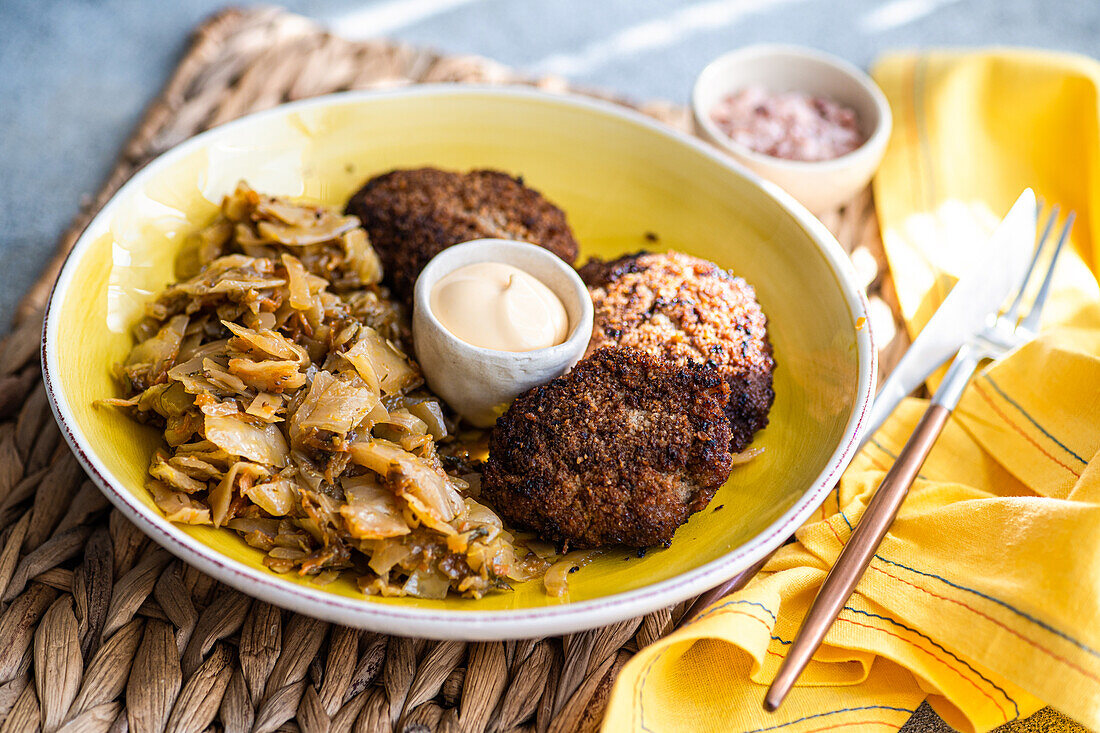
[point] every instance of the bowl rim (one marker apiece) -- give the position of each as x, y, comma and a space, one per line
460, 624
872, 146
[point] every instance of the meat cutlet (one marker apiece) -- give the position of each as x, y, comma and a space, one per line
689, 311
620, 451
413, 215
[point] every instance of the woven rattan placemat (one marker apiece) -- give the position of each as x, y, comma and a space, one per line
100, 629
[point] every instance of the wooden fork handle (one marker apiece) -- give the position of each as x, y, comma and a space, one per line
856, 555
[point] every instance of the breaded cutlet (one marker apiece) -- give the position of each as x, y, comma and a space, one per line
413, 215
689, 311
620, 451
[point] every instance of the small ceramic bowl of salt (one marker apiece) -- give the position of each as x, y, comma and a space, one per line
807, 121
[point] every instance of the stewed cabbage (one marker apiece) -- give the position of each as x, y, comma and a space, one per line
277, 370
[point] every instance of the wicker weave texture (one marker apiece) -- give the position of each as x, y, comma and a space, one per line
100, 629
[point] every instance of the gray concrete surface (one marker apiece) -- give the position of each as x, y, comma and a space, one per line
74, 75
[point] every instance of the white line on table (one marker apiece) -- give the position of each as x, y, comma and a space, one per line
898, 13
653, 34
390, 16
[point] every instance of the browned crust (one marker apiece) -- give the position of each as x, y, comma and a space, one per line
412, 215
690, 311
621, 451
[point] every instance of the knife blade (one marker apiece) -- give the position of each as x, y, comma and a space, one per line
981, 290
998, 270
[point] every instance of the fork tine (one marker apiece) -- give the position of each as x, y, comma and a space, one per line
1014, 308
1031, 321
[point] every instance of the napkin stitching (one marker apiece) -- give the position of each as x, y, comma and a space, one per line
835, 712
1032, 420
1001, 624
989, 400
892, 455
757, 619
1038, 622
855, 722
835, 533
941, 660
944, 662
916, 646
944, 649
716, 609
713, 610
641, 683
836, 489
874, 462
998, 601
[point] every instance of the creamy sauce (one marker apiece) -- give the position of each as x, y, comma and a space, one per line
501, 307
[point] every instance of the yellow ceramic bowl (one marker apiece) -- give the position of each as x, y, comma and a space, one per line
621, 179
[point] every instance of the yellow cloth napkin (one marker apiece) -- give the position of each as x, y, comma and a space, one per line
984, 599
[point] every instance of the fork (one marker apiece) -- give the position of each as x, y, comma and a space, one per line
1005, 332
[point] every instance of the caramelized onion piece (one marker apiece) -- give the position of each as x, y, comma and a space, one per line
427, 491
150, 360
300, 297
372, 511
740, 459
432, 414
332, 408
177, 506
556, 579
276, 497
392, 369
262, 444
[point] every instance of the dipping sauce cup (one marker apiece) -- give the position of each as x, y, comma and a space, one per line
480, 383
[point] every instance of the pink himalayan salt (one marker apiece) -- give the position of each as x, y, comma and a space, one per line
790, 125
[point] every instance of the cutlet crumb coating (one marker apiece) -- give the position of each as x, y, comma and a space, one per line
690, 311
413, 215
620, 451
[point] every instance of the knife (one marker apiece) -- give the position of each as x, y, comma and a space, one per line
982, 288
996, 271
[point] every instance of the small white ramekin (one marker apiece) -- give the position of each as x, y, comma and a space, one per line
818, 185
479, 383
